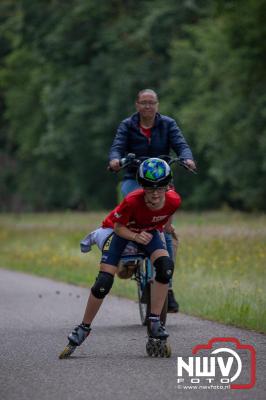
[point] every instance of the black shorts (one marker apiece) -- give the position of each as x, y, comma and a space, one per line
115, 245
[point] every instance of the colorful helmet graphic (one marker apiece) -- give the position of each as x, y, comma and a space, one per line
154, 172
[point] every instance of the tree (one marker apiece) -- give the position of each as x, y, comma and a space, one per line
69, 73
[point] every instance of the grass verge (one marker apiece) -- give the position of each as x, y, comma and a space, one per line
220, 269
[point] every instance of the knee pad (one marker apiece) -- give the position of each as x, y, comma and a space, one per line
102, 285
164, 269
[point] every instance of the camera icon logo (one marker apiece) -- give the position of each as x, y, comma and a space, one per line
221, 363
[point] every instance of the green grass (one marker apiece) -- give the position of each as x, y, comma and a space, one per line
220, 269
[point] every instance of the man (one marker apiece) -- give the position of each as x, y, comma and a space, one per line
140, 217
149, 134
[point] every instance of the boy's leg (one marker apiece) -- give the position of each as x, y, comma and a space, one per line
99, 290
164, 267
94, 303
111, 253
163, 272
159, 289
157, 342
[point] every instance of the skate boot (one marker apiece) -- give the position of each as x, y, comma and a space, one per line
157, 345
76, 338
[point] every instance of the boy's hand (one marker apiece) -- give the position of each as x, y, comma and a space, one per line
169, 228
143, 237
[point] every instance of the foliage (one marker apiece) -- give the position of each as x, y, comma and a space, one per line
70, 71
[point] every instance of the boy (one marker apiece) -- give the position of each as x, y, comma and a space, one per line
140, 218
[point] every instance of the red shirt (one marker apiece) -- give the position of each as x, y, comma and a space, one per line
135, 215
146, 132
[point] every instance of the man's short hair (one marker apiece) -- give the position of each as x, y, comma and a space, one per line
146, 91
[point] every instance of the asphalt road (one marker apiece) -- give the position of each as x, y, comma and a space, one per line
36, 314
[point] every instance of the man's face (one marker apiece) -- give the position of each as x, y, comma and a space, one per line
147, 105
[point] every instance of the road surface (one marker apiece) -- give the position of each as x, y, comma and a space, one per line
36, 314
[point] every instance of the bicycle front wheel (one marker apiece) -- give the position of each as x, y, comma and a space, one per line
144, 296
143, 292
143, 307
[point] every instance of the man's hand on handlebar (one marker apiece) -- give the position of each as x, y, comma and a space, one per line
190, 164
114, 164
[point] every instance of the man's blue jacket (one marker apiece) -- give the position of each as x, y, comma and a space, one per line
165, 136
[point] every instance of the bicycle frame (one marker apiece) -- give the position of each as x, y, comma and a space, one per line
143, 275
146, 277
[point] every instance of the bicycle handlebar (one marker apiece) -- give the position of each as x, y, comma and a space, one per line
132, 160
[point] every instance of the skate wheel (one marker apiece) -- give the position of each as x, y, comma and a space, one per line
167, 350
68, 350
162, 351
156, 350
149, 349
153, 348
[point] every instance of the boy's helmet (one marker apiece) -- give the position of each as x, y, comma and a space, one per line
154, 172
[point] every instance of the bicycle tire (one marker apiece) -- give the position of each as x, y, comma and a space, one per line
143, 292
143, 312
145, 308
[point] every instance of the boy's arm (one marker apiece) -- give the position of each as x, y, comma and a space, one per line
169, 228
125, 233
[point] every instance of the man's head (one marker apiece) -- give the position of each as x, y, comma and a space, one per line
147, 103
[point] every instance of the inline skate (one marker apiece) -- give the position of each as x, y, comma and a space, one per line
76, 338
157, 345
